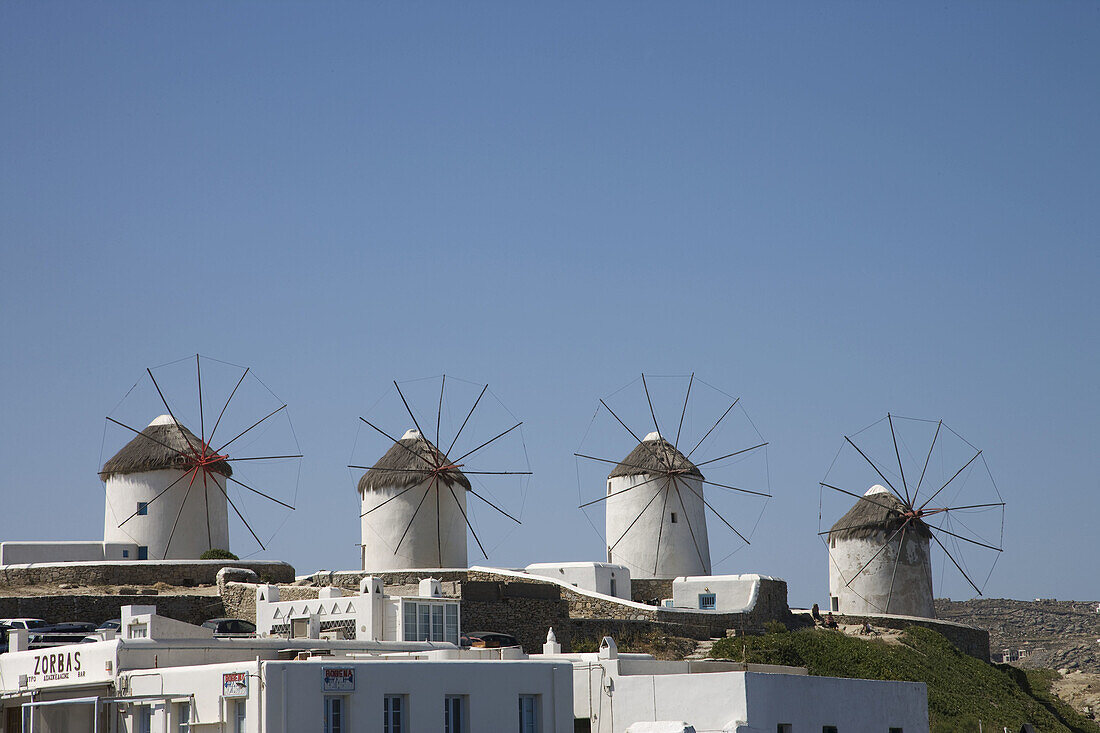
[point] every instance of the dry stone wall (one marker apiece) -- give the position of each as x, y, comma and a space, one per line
967, 639
239, 599
647, 590
193, 609
137, 572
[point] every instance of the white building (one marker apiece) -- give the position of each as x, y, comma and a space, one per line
369, 615
655, 522
723, 593
176, 523
161, 676
874, 568
413, 508
598, 577
619, 692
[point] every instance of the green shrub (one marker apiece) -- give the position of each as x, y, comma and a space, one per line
775, 627
962, 690
216, 554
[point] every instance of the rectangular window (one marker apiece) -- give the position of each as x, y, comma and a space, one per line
143, 552
143, 719
828, 729
183, 717
125, 554
437, 622
454, 714
424, 614
783, 728
334, 715
393, 714
613, 588
143, 508
674, 517
896, 730
834, 603
451, 626
239, 725
409, 621
707, 601
528, 714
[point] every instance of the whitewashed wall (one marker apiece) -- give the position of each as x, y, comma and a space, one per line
593, 576
191, 537
655, 547
381, 530
879, 588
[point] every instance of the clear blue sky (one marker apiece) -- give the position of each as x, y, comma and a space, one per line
833, 210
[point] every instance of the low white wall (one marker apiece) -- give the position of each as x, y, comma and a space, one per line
744, 702
809, 703
733, 593
22, 553
592, 576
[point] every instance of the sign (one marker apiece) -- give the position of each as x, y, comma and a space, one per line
235, 684
77, 664
338, 679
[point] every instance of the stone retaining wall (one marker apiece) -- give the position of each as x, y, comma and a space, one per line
240, 598
137, 572
967, 639
349, 579
193, 609
644, 590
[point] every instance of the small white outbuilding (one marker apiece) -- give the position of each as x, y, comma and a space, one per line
879, 559
151, 502
413, 508
655, 518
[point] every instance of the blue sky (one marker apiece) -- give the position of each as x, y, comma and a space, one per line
830, 210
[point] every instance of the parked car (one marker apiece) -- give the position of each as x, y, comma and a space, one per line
69, 632
113, 624
230, 627
24, 623
487, 640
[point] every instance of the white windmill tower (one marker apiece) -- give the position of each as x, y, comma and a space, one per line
655, 472
896, 563
423, 524
880, 550
414, 498
172, 528
170, 491
655, 513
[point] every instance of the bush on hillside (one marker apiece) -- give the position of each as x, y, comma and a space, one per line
962, 690
216, 554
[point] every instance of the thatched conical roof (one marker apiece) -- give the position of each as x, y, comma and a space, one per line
878, 514
400, 468
159, 447
654, 455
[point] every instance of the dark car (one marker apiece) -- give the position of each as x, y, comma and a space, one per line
69, 632
487, 640
230, 627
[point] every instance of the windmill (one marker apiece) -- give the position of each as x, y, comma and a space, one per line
656, 498
931, 490
415, 508
169, 490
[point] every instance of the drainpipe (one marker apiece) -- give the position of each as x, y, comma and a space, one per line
282, 694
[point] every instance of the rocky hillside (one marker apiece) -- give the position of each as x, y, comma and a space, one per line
1063, 635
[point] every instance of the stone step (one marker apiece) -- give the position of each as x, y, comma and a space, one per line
702, 649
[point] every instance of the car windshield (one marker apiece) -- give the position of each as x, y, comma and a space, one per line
36, 624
